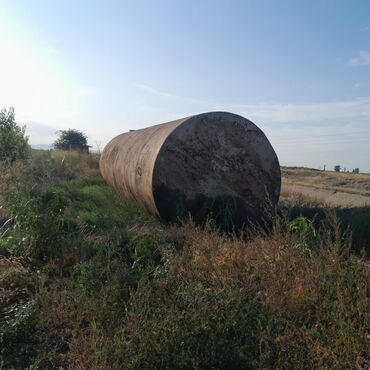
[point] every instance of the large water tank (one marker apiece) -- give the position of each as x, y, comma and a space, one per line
217, 165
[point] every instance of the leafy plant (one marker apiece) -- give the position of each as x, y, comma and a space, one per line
13, 142
302, 226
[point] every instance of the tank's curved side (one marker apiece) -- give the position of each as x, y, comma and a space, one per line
128, 160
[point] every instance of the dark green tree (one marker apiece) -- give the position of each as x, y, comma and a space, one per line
13, 141
71, 140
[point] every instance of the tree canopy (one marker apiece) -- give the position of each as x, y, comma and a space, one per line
71, 140
13, 141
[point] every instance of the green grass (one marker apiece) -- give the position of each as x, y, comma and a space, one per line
91, 281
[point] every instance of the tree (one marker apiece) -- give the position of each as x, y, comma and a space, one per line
71, 140
337, 168
13, 141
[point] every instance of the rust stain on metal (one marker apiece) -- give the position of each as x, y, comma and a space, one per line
216, 163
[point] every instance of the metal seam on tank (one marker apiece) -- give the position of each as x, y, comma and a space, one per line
186, 120
152, 170
158, 155
146, 205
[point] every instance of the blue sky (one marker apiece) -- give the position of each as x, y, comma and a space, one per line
300, 70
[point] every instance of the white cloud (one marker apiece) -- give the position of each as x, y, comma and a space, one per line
358, 109
305, 134
363, 59
362, 84
183, 99
152, 90
354, 109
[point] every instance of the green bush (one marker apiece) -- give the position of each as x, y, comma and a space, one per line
71, 139
13, 142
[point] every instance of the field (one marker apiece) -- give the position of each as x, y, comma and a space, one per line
89, 280
354, 183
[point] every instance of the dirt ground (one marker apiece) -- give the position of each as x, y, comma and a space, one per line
339, 189
330, 197
329, 180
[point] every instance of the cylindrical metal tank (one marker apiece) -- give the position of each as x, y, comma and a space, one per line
216, 164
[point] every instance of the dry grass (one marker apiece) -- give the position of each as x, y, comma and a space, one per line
100, 284
339, 181
270, 302
353, 220
293, 199
16, 281
84, 164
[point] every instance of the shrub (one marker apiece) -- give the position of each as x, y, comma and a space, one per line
71, 140
13, 142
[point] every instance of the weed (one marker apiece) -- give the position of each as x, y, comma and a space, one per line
98, 283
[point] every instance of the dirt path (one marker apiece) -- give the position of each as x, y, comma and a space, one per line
332, 197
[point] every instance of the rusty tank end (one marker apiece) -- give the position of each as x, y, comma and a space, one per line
215, 164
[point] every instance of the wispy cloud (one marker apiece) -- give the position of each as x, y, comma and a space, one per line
52, 50
85, 91
167, 95
154, 91
363, 59
362, 84
358, 109
335, 111
308, 134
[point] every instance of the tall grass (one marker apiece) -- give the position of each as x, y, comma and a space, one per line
91, 281
353, 221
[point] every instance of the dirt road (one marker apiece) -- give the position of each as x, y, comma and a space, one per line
332, 197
